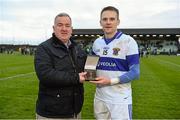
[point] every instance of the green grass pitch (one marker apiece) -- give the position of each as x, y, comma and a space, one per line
156, 95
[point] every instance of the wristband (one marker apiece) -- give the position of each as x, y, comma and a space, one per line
114, 81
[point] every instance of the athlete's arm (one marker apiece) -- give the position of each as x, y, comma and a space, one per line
132, 74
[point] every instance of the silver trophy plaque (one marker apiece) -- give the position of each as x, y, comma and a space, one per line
90, 67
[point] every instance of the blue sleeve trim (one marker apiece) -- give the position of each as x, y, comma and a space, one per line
132, 59
132, 74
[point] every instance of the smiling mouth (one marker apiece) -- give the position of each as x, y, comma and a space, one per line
64, 33
108, 27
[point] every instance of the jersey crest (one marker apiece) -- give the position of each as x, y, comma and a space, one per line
116, 51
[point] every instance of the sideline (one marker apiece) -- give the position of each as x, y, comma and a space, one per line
19, 75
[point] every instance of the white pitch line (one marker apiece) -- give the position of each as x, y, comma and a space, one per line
19, 75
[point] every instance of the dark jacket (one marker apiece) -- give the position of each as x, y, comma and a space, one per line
60, 94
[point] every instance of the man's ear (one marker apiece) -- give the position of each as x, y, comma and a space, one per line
53, 28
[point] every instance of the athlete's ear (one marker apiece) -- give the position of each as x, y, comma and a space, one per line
100, 22
118, 22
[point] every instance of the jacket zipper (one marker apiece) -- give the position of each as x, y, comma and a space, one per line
72, 61
69, 53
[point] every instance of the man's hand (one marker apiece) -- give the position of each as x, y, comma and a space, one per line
101, 81
82, 76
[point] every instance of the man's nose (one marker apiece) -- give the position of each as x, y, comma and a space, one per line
108, 21
64, 27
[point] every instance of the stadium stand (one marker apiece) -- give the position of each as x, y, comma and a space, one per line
150, 40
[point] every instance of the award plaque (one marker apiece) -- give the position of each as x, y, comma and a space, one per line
90, 67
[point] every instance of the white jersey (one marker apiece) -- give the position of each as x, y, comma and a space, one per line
113, 63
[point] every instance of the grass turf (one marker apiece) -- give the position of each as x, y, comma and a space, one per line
156, 94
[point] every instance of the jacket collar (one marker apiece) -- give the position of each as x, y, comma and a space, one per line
58, 43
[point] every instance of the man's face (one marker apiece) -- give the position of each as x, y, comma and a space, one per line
109, 22
62, 28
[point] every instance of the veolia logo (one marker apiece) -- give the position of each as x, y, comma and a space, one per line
107, 64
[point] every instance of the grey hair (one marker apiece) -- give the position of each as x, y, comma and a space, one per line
62, 15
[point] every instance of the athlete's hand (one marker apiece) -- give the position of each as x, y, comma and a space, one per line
101, 81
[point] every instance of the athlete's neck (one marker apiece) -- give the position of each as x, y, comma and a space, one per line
110, 35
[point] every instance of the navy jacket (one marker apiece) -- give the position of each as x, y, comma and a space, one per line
61, 95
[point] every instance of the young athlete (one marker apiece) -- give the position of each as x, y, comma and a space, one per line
117, 67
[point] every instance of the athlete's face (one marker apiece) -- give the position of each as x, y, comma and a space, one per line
109, 22
62, 28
